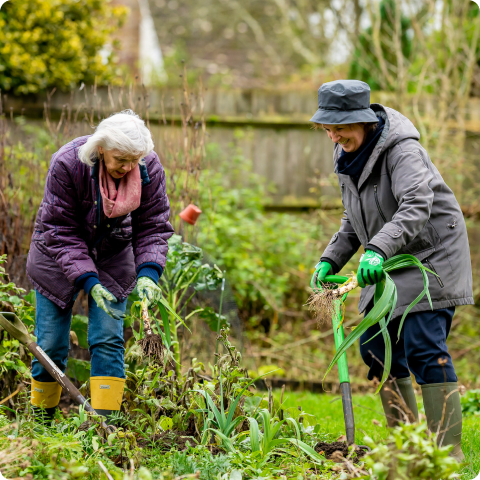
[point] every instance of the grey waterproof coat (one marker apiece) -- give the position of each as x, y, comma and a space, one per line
402, 205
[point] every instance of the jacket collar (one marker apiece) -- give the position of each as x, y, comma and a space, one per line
143, 172
367, 170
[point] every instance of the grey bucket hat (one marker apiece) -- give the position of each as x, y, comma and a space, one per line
344, 101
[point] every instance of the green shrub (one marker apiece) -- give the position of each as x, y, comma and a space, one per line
267, 255
55, 43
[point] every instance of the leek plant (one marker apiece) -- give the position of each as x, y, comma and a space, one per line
224, 422
264, 443
385, 301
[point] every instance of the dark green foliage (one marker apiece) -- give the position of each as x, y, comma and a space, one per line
78, 370
266, 255
215, 321
471, 403
80, 327
13, 356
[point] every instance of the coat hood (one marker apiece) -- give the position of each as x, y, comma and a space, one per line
397, 128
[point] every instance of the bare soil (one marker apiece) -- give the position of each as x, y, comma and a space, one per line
165, 441
337, 450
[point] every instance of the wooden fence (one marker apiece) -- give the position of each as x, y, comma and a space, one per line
278, 136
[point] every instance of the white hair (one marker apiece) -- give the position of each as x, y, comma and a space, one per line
124, 132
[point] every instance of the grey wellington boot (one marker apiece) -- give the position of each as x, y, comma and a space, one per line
435, 396
399, 403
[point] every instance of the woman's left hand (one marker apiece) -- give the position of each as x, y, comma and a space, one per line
370, 269
148, 289
101, 296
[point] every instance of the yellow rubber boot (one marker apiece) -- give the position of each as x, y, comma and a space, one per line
107, 394
45, 397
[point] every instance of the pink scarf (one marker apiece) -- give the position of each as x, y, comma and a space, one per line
125, 199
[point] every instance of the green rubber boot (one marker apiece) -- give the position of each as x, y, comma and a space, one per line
447, 422
399, 402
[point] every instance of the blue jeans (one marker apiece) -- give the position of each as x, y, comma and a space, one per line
423, 341
105, 338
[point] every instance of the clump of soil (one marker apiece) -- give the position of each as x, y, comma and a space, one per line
165, 441
215, 449
120, 460
152, 347
337, 450
85, 426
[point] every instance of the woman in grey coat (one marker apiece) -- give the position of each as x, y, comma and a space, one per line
397, 202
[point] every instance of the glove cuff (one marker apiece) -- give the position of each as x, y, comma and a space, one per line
149, 272
87, 281
375, 249
335, 268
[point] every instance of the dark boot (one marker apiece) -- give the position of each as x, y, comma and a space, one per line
43, 415
399, 403
447, 422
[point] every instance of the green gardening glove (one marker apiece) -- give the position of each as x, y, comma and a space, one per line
101, 296
322, 269
148, 289
370, 269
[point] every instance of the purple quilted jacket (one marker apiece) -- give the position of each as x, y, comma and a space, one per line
72, 237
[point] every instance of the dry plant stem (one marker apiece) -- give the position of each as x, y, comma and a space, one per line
146, 320
18, 390
105, 471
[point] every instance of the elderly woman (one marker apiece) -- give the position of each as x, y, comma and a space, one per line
102, 227
397, 202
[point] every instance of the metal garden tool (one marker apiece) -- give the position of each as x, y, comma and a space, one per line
15, 327
343, 375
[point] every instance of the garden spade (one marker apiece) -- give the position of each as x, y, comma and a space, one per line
343, 375
15, 327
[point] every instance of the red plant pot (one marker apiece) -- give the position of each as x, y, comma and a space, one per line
190, 214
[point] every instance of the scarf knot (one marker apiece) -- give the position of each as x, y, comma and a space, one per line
121, 199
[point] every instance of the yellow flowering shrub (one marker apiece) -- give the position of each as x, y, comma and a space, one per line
56, 43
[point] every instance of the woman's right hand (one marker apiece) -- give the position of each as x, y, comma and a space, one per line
100, 294
322, 269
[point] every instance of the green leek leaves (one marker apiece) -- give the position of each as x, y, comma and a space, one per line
385, 301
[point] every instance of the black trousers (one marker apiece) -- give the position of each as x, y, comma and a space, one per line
423, 341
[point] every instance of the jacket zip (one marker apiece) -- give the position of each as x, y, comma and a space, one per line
102, 235
378, 204
439, 280
99, 205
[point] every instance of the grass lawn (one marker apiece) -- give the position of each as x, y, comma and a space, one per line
328, 410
